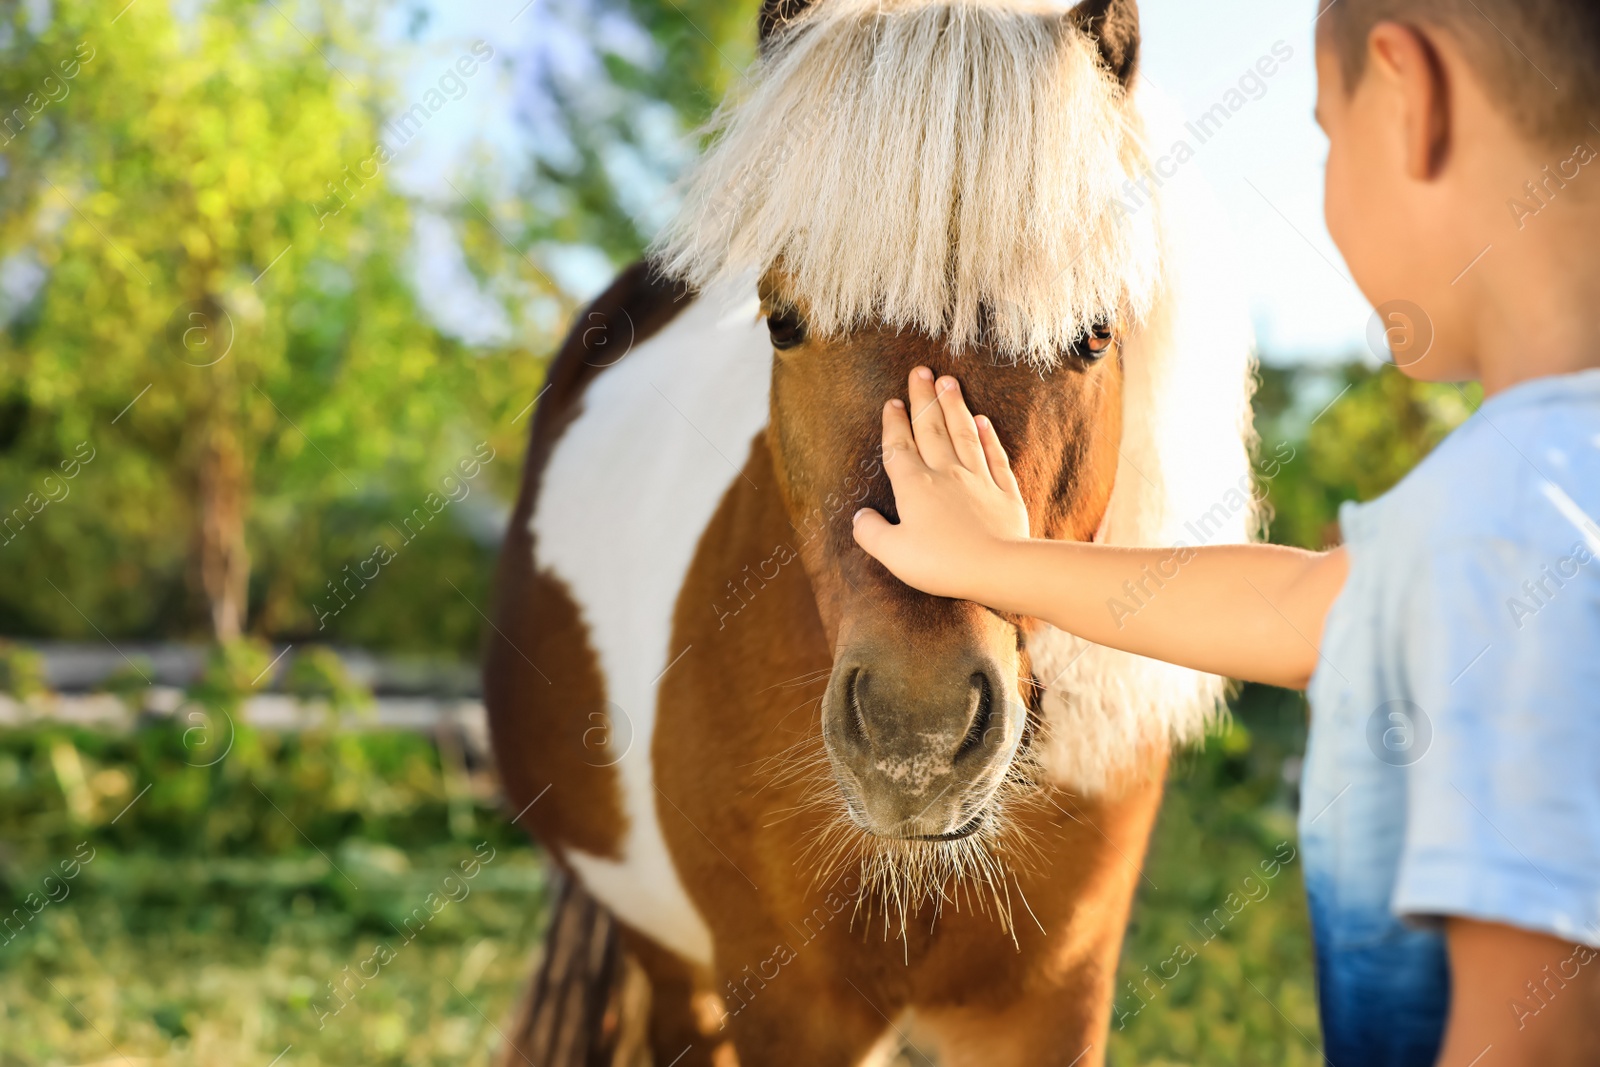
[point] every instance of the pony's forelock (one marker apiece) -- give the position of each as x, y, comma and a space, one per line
951, 166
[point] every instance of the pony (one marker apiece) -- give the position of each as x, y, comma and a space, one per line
820, 806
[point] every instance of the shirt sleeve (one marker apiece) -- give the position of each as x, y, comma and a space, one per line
1502, 656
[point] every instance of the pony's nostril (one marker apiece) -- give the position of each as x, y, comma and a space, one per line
982, 718
855, 723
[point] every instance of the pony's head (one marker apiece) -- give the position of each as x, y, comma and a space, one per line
937, 182
930, 701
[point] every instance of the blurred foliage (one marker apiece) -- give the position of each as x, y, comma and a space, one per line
320, 674
1216, 966
705, 47
225, 375
230, 672
1355, 431
21, 672
275, 795
619, 85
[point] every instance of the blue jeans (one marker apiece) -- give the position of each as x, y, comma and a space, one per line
1383, 989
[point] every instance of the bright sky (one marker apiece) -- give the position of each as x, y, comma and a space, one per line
1265, 165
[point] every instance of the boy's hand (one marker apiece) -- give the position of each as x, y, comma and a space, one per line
958, 502
1253, 612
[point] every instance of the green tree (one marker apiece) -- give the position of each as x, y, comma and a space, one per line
609, 124
225, 328
1353, 432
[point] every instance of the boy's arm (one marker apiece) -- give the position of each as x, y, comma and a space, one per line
1492, 969
1253, 612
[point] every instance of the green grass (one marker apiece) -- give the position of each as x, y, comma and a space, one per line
1206, 979
207, 925
98, 979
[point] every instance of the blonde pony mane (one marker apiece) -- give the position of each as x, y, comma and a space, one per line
951, 166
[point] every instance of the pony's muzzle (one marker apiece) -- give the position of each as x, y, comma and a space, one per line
920, 741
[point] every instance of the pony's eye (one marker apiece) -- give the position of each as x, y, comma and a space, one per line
1097, 342
786, 327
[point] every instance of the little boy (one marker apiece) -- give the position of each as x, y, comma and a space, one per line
1451, 807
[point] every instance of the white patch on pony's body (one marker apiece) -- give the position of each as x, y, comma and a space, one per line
660, 438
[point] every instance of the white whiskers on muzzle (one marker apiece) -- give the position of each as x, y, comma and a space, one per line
911, 879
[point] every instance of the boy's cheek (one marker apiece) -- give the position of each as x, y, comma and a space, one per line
1339, 198
1336, 111
1364, 216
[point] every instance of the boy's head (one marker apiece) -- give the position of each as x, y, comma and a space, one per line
1439, 114
1539, 59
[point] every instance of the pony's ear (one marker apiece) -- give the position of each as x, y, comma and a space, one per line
1114, 24
775, 15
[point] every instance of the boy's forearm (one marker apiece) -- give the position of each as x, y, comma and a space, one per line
1253, 612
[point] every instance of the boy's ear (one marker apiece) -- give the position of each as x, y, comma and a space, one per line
1114, 24
1410, 61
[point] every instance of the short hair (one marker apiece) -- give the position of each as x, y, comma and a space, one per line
1540, 59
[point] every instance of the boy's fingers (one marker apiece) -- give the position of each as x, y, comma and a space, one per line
899, 446
995, 454
871, 530
959, 423
927, 421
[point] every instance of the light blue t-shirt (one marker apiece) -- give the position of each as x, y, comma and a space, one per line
1453, 764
